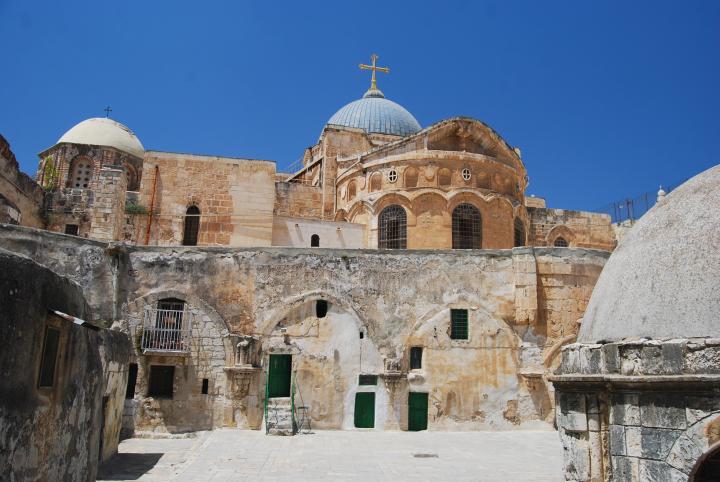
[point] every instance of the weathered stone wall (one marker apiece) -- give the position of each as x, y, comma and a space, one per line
294, 199
235, 198
397, 299
638, 409
297, 232
20, 197
108, 215
579, 228
58, 432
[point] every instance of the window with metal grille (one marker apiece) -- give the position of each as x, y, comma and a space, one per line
560, 242
367, 380
161, 381
393, 228
169, 313
416, 357
519, 233
192, 226
459, 324
314, 241
132, 380
466, 227
321, 308
51, 344
71, 229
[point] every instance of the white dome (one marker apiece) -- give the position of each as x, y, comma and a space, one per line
663, 279
100, 131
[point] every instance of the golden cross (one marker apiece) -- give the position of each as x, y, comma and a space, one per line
374, 68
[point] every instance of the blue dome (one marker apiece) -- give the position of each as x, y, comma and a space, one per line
376, 114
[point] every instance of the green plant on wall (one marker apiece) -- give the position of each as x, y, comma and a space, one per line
51, 175
132, 208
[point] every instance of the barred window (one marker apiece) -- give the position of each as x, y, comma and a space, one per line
192, 226
466, 227
560, 242
169, 314
519, 232
459, 324
393, 228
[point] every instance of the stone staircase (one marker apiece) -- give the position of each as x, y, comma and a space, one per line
279, 416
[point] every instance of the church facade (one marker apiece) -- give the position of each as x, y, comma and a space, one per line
400, 279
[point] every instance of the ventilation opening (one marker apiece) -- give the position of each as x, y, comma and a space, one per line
321, 308
205, 385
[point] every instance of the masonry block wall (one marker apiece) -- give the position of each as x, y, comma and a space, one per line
493, 380
578, 228
108, 215
235, 197
21, 199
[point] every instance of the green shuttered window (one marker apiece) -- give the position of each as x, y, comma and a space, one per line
459, 324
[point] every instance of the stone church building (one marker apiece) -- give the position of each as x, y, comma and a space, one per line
399, 279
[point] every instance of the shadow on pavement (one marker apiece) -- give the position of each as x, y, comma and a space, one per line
127, 466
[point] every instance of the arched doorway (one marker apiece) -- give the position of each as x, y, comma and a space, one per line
707, 468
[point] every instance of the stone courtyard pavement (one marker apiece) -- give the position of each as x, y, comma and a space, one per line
228, 455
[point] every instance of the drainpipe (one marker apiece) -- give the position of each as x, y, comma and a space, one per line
152, 205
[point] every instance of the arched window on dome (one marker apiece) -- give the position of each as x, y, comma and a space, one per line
560, 242
192, 226
519, 232
444, 177
375, 182
466, 227
80, 172
411, 177
392, 224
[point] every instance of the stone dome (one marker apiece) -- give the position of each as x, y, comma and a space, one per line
663, 280
100, 131
376, 114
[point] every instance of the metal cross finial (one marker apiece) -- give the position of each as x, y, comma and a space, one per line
374, 68
107, 111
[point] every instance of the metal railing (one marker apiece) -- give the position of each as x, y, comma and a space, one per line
166, 330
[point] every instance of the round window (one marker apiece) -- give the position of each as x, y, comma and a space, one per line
392, 175
466, 174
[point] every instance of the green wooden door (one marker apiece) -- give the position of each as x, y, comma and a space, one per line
279, 376
365, 410
417, 411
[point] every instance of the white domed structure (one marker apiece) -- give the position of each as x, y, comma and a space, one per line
101, 131
376, 114
663, 279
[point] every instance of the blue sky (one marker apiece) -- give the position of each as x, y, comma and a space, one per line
605, 99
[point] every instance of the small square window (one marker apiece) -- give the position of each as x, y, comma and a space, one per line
51, 343
367, 380
458, 324
161, 381
205, 386
416, 357
71, 229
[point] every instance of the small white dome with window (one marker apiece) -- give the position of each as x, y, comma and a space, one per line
100, 131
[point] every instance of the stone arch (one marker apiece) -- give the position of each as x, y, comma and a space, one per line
444, 177
291, 303
411, 177
341, 215
375, 182
394, 198
132, 176
560, 231
693, 447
